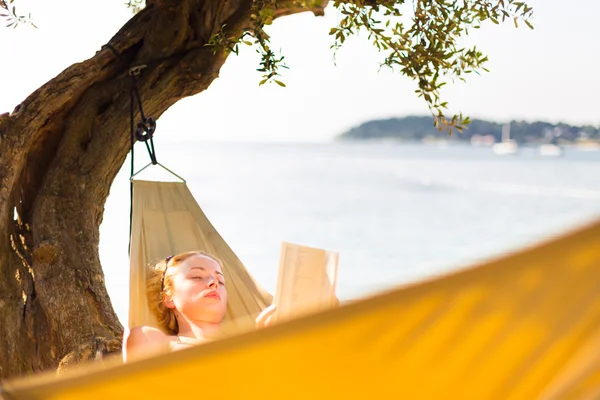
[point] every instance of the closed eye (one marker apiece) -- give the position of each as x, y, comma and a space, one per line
201, 278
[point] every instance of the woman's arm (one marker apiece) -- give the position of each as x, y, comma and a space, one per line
144, 340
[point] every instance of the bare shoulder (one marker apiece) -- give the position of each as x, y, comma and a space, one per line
144, 340
147, 334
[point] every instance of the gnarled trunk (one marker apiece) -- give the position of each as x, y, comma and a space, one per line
59, 153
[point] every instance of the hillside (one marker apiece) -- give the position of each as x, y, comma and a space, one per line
415, 128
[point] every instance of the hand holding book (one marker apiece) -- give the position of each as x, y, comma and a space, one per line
306, 284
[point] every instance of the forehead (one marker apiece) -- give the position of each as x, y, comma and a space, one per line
200, 261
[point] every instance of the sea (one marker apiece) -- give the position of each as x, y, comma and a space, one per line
396, 213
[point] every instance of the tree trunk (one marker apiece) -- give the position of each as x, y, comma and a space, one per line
59, 152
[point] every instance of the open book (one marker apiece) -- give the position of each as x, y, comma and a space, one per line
307, 281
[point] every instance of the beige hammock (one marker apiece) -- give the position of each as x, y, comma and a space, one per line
167, 220
526, 326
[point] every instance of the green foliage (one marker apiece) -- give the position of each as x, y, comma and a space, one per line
135, 5
8, 11
418, 38
263, 14
421, 40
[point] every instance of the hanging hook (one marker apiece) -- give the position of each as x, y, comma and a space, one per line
145, 129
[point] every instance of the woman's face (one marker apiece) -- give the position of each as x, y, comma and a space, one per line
199, 290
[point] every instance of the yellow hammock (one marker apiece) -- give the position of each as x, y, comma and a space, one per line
526, 326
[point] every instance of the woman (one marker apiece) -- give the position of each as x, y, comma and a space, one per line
188, 295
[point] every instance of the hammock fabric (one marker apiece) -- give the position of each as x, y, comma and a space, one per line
526, 326
167, 220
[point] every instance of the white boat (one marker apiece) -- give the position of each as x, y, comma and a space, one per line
551, 150
507, 146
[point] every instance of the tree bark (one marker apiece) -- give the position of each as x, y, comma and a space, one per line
60, 150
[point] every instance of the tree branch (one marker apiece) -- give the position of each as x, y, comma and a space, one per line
289, 7
60, 150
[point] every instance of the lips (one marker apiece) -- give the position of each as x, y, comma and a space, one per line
212, 295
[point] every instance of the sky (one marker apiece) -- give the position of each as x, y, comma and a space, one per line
548, 73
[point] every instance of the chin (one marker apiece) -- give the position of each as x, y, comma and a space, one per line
211, 318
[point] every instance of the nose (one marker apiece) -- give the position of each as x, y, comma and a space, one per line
213, 283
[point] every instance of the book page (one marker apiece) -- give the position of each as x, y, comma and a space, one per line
307, 280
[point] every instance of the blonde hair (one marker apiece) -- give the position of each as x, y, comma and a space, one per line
159, 285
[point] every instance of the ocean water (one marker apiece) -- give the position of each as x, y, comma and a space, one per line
396, 213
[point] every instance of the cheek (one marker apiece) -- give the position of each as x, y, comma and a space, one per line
192, 287
184, 289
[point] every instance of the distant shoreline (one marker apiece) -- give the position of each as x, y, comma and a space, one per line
591, 144
419, 129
